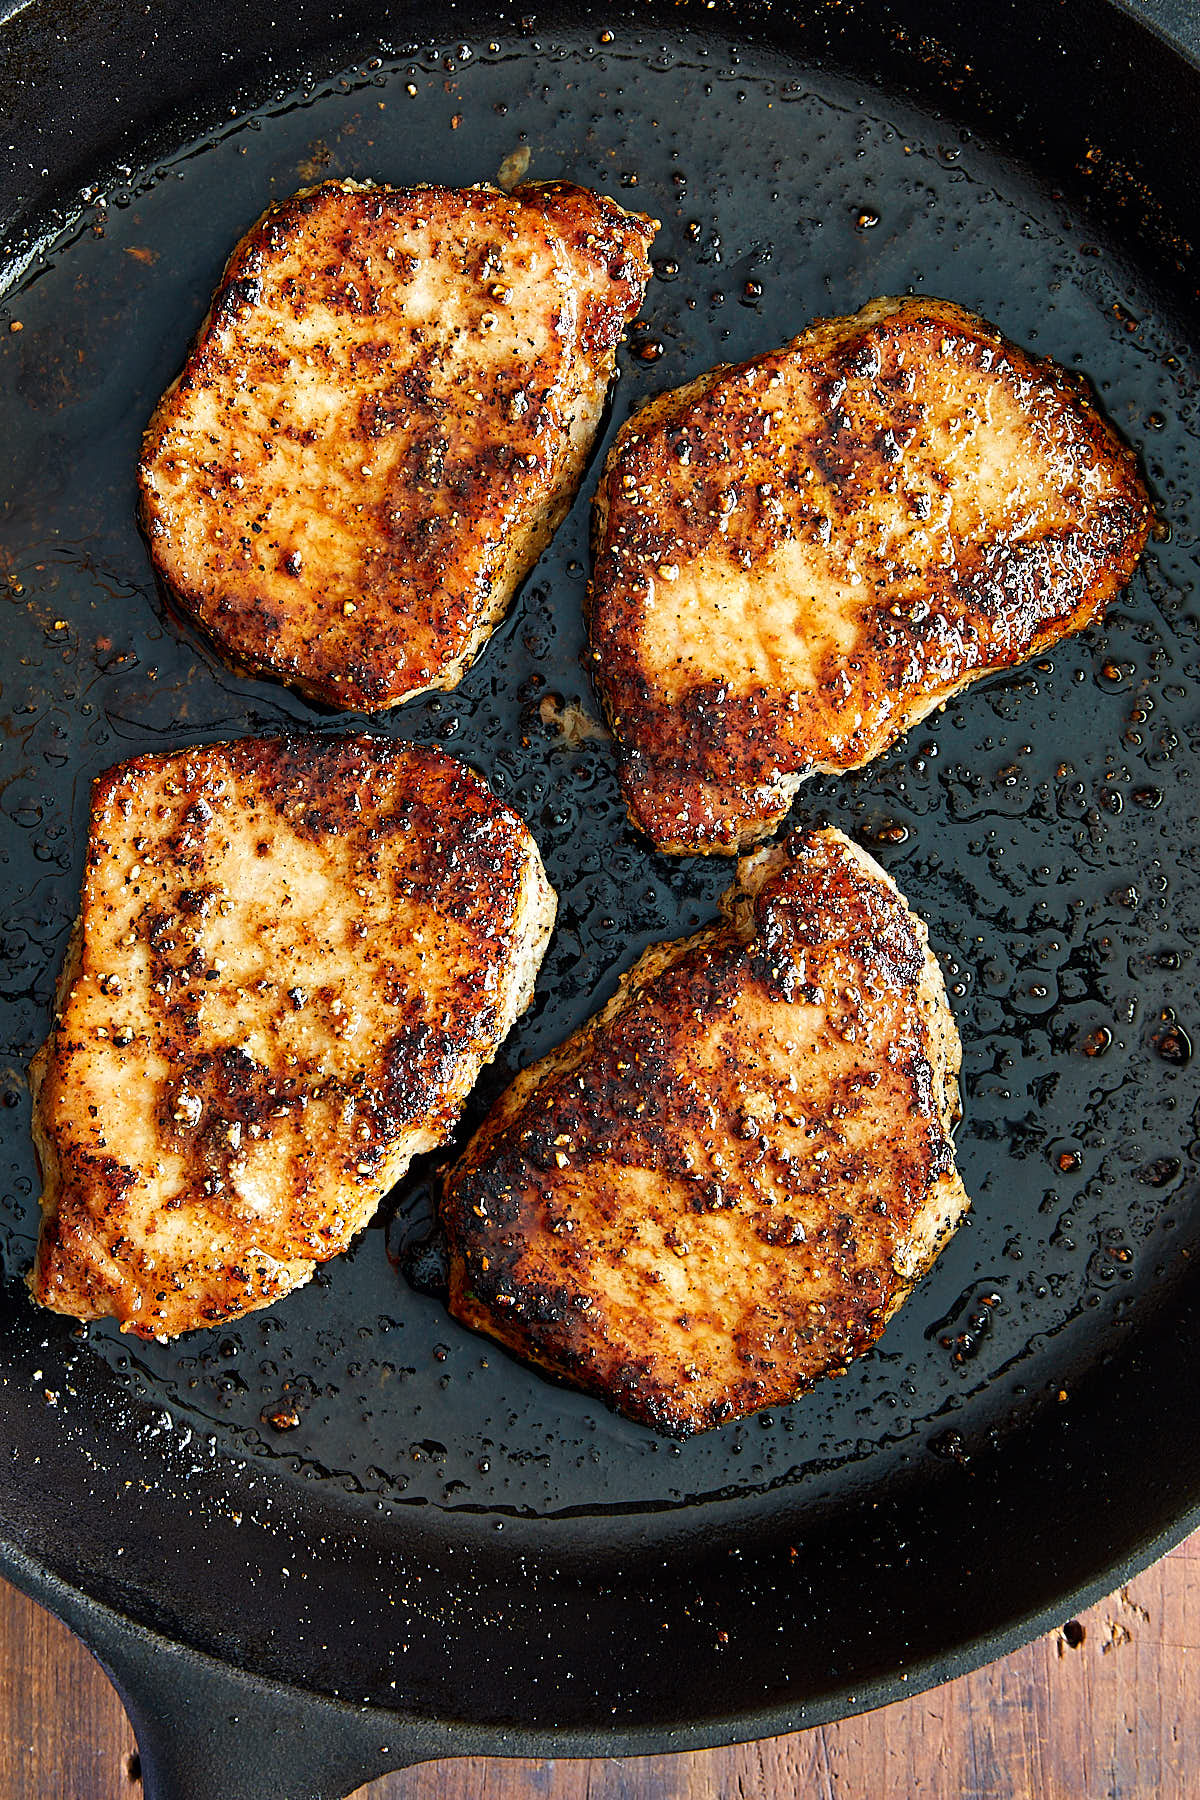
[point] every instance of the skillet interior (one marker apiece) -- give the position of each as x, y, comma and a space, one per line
989, 1458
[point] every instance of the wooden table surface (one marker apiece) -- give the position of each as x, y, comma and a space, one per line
1107, 1713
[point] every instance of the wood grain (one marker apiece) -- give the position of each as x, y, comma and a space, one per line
1115, 1718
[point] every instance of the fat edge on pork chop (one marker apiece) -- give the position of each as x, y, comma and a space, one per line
293, 955
723, 1186
382, 421
798, 557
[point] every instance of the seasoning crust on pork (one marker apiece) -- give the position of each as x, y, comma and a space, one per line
382, 421
723, 1186
798, 558
292, 958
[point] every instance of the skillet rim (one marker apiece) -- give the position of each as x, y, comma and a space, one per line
1177, 28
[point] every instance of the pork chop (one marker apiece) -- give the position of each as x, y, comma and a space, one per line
724, 1185
292, 958
798, 558
383, 419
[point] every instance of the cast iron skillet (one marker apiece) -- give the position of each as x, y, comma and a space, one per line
431, 1550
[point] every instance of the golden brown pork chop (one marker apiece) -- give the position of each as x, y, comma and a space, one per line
382, 421
798, 558
292, 959
724, 1185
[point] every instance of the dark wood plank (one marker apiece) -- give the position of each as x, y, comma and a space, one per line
1116, 1717
63, 1732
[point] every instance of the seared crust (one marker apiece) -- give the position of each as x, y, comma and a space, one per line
292, 958
723, 1186
798, 558
383, 419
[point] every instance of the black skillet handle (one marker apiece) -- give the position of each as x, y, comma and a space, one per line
204, 1733
207, 1732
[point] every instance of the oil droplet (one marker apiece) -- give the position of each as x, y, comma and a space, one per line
1158, 1173
1173, 1044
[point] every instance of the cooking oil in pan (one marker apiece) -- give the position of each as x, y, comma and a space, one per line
1044, 824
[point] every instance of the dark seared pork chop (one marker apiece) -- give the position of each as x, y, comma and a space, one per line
292, 958
381, 423
798, 558
723, 1186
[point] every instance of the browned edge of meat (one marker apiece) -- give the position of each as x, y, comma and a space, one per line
798, 557
293, 955
721, 1188
381, 422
